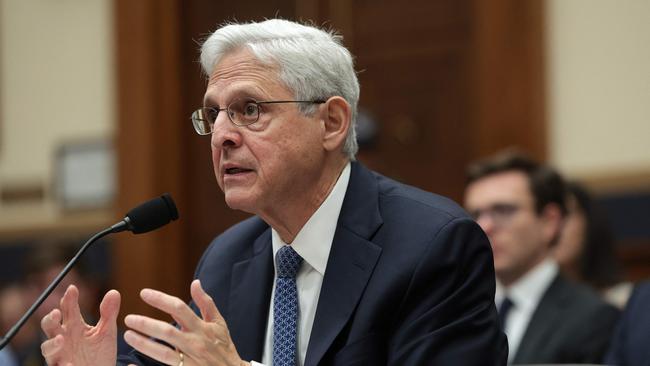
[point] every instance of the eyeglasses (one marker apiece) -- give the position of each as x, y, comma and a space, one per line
500, 213
240, 112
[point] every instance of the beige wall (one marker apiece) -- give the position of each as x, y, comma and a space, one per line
599, 86
57, 82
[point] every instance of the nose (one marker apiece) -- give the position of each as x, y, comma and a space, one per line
224, 133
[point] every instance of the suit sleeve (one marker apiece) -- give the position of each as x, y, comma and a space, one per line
448, 316
628, 337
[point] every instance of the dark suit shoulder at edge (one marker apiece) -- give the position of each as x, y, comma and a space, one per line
390, 188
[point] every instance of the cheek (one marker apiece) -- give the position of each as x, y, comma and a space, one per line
216, 156
523, 240
280, 154
216, 153
569, 232
579, 230
572, 239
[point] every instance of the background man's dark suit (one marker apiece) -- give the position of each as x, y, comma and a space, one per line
570, 325
409, 281
631, 342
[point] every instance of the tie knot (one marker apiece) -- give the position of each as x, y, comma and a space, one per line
287, 262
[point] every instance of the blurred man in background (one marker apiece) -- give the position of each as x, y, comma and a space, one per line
521, 206
24, 348
43, 262
586, 252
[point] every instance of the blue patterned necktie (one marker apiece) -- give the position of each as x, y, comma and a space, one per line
285, 307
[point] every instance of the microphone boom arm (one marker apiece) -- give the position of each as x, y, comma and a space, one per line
53, 285
143, 218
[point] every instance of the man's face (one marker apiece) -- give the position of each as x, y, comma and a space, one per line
272, 163
504, 207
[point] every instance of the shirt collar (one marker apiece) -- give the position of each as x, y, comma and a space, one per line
314, 240
529, 289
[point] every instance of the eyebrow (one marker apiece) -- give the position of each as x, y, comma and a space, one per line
237, 94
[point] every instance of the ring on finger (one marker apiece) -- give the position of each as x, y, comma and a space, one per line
181, 358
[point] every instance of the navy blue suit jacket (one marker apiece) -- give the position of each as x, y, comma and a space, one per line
631, 342
409, 281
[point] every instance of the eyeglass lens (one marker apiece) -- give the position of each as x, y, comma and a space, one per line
499, 213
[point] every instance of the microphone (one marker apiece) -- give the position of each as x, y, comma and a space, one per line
146, 217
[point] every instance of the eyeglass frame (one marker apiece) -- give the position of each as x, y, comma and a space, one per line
197, 121
499, 213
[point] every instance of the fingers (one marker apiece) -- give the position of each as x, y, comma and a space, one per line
209, 311
109, 309
51, 348
173, 306
156, 329
152, 349
70, 306
51, 323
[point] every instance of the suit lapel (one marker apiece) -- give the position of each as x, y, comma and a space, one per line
250, 296
542, 323
350, 264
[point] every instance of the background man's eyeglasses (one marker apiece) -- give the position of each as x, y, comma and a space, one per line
240, 113
500, 213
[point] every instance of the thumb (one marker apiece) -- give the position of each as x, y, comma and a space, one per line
109, 309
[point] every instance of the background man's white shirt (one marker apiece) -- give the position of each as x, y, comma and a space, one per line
525, 295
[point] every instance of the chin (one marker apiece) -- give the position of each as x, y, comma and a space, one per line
237, 202
500, 268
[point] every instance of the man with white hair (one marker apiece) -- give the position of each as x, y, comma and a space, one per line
339, 265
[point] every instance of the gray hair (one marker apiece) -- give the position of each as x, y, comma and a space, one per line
312, 62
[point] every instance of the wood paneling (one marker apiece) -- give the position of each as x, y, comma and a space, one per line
448, 81
415, 81
151, 151
508, 77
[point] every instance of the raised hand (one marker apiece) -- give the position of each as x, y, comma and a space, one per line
201, 340
73, 342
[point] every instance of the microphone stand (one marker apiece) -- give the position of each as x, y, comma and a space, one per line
56, 281
143, 218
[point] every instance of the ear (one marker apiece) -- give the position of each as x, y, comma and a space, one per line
338, 119
552, 220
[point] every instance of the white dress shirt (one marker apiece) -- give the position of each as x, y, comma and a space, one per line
525, 295
313, 243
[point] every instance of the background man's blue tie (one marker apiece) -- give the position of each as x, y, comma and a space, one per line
285, 307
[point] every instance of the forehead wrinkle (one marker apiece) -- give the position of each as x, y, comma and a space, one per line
242, 72
253, 69
243, 88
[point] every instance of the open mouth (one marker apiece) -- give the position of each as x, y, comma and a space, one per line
237, 170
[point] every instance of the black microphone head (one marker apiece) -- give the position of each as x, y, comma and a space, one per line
152, 214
